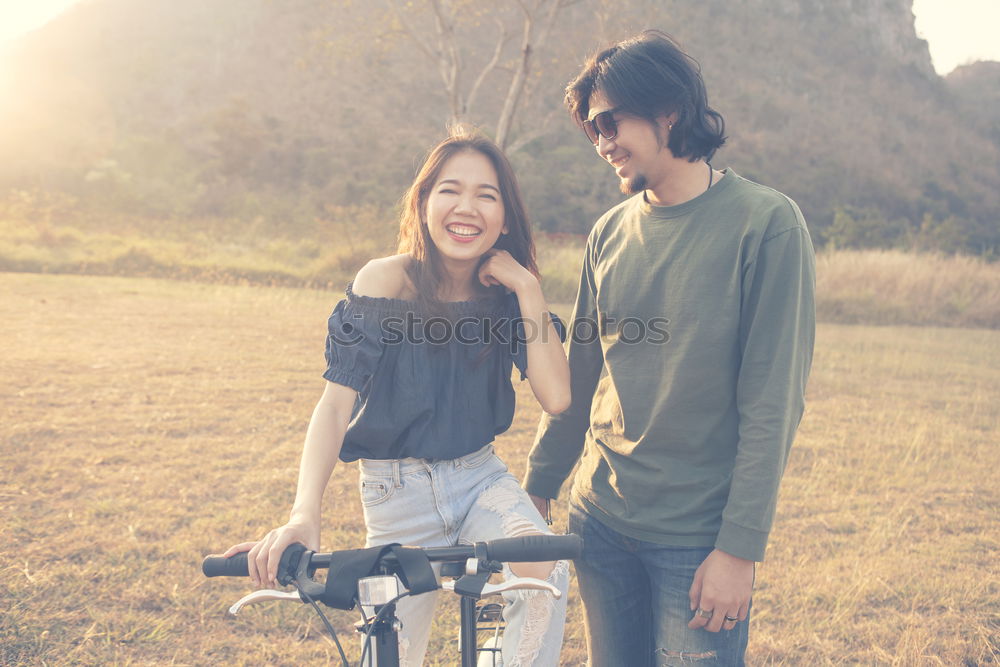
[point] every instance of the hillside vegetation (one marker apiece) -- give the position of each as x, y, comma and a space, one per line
274, 113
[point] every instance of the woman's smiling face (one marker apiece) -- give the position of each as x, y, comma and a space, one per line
465, 212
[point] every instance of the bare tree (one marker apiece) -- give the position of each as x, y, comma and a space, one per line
538, 17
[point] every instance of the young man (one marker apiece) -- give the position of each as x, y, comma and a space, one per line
687, 396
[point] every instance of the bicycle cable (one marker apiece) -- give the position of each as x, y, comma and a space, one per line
374, 622
326, 622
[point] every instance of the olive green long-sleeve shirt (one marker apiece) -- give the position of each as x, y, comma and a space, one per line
686, 403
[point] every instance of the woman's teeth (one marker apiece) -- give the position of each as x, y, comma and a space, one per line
463, 230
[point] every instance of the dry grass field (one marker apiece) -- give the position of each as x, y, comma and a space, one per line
895, 287
146, 423
886, 287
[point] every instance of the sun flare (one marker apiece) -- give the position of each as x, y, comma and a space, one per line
18, 18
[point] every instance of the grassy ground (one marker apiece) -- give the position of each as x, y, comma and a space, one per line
146, 423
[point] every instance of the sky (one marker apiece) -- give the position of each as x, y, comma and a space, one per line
20, 16
957, 31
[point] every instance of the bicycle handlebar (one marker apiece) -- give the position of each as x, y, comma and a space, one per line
218, 566
528, 548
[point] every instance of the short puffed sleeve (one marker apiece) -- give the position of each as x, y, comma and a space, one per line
354, 345
520, 335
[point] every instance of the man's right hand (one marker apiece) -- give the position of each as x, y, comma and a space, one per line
264, 556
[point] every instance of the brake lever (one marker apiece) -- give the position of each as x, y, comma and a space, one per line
264, 595
512, 584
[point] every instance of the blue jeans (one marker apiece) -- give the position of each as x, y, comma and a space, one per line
465, 500
636, 604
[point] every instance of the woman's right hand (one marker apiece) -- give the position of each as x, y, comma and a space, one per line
264, 556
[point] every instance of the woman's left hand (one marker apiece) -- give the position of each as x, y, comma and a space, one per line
500, 268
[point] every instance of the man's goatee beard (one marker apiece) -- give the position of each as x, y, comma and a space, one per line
633, 186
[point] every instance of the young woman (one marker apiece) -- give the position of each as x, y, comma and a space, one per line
419, 356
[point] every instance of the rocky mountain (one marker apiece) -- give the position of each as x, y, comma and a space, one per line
976, 87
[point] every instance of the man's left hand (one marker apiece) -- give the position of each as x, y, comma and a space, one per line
720, 593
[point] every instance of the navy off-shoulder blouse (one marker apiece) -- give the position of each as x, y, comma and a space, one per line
432, 387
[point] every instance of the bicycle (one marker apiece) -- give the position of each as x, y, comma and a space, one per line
374, 579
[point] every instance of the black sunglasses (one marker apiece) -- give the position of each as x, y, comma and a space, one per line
602, 125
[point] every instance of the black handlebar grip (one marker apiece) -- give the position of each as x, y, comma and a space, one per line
531, 548
234, 566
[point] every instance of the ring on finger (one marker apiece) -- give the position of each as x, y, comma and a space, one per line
705, 613
732, 619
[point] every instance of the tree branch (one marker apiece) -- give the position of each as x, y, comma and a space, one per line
411, 31
450, 62
489, 67
538, 130
517, 81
